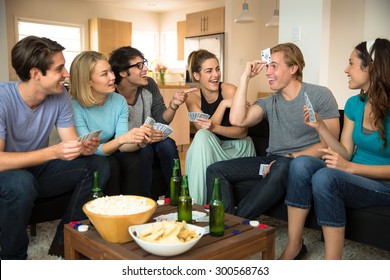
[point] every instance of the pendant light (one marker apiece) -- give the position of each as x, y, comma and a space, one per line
274, 21
245, 17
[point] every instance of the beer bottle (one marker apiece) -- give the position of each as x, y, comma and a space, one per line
184, 203
96, 189
175, 184
217, 211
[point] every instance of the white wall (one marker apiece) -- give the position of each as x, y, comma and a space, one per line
313, 42
346, 33
330, 31
244, 41
352, 22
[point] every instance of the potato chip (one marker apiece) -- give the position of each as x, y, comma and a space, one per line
168, 232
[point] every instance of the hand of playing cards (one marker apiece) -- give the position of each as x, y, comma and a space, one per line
309, 106
194, 115
90, 135
167, 130
150, 120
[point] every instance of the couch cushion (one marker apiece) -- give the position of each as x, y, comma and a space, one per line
259, 134
370, 226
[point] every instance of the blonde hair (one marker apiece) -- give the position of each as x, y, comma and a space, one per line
292, 56
81, 71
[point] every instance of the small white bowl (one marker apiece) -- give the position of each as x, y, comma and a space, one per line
164, 250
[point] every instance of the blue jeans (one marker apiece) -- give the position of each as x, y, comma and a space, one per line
165, 151
332, 190
264, 194
20, 188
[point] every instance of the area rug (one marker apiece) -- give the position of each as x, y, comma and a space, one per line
39, 244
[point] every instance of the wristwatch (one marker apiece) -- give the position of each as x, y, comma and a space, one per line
289, 155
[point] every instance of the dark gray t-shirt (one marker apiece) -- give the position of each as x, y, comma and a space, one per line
288, 132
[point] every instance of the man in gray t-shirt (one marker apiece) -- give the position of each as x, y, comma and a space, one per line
289, 135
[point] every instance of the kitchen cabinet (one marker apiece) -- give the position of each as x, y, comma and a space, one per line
205, 22
181, 34
105, 35
180, 123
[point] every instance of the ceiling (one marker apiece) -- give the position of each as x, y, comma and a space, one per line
157, 6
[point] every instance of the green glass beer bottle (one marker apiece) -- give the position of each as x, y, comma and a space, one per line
184, 203
175, 183
217, 211
96, 189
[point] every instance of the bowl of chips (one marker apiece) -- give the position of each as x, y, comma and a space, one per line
112, 215
166, 238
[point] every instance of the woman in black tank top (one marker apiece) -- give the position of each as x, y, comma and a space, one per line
216, 139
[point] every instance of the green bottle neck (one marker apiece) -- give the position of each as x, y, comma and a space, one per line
176, 172
96, 182
176, 168
184, 191
216, 195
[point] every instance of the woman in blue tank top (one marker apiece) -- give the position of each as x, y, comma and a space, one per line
354, 172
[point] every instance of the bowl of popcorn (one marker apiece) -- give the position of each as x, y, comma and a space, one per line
166, 238
112, 215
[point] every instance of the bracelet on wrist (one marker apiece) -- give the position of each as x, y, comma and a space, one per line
173, 109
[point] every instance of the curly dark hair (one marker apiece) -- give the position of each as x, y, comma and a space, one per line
377, 59
119, 60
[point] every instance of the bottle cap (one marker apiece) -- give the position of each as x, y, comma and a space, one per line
73, 223
160, 202
82, 228
254, 223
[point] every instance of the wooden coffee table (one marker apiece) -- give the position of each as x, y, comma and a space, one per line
247, 242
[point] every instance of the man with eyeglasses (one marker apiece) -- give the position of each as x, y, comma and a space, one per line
145, 100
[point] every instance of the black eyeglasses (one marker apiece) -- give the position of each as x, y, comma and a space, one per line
140, 65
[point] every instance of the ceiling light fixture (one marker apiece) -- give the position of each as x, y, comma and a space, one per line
274, 21
245, 17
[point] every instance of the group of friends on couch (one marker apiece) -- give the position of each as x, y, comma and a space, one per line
308, 163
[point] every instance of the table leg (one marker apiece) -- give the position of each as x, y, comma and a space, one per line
70, 252
269, 253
